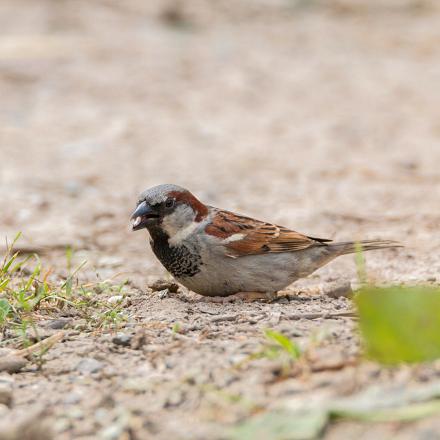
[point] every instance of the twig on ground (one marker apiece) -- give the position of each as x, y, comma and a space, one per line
334, 366
224, 318
325, 315
17, 359
41, 346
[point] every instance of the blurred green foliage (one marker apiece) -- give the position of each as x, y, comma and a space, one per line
281, 343
400, 324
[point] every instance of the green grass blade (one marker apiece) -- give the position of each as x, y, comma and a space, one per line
287, 344
5, 308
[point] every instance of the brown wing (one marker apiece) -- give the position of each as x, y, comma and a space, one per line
246, 236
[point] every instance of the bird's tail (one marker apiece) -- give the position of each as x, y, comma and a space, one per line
349, 247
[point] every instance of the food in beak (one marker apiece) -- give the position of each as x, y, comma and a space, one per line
137, 221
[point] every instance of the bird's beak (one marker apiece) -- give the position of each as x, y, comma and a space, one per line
142, 215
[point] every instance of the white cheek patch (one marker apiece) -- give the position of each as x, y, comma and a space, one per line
169, 224
180, 224
234, 237
179, 236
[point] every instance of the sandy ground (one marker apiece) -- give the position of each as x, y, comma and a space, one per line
321, 116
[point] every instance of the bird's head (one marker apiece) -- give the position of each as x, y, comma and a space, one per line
167, 207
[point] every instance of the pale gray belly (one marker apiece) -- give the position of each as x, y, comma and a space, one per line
256, 273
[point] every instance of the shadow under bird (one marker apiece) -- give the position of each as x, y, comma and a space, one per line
218, 253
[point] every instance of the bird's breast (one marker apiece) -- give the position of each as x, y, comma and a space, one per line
180, 261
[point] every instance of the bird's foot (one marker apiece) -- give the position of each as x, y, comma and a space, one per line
255, 296
241, 296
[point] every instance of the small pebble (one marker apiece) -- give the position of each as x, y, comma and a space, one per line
73, 188
4, 410
137, 385
12, 364
174, 398
35, 334
163, 293
338, 290
6, 352
80, 324
115, 299
122, 339
112, 432
6, 394
139, 339
58, 324
89, 366
163, 285
72, 399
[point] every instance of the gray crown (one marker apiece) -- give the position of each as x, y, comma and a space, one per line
158, 194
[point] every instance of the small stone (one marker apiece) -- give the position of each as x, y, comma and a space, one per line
36, 334
59, 324
115, 299
72, 399
7, 380
338, 290
5, 394
89, 366
76, 413
274, 318
6, 352
163, 285
136, 385
112, 432
163, 293
4, 410
61, 424
139, 339
73, 188
80, 324
31, 424
432, 279
12, 364
102, 416
110, 372
174, 398
122, 339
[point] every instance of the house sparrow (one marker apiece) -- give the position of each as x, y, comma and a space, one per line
218, 253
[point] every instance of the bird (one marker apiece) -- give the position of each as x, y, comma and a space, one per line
215, 252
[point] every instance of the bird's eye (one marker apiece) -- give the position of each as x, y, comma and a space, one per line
169, 203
